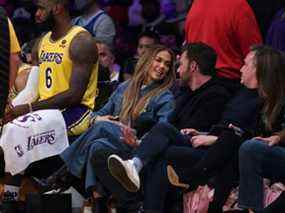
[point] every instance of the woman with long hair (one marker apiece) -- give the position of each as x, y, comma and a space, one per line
136, 104
264, 156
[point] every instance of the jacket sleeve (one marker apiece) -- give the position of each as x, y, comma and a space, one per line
115, 98
166, 106
159, 109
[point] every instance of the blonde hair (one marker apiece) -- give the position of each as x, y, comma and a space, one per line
133, 104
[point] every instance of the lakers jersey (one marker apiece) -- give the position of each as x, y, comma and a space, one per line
55, 68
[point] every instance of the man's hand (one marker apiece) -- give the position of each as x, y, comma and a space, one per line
129, 136
271, 141
189, 131
16, 112
203, 140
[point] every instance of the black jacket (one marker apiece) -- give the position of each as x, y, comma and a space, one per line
199, 109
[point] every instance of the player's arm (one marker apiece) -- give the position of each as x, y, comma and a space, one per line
84, 54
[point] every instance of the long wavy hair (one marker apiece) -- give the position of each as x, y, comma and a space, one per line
133, 103
270, 73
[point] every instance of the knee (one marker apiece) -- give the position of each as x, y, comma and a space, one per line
99, 152
251, 149
96, 150
99, 129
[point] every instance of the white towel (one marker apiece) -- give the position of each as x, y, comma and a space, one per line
33, 137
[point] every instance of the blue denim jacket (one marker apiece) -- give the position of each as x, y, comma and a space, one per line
159, 108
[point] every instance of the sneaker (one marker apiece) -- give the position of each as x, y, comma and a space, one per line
125, 172
174, 179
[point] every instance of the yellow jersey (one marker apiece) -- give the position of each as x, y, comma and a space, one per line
55, 68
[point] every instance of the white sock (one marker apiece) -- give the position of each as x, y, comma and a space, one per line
137, 163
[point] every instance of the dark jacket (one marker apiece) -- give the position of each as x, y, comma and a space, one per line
201, 108
243, 110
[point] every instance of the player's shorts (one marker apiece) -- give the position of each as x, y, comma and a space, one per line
77, 119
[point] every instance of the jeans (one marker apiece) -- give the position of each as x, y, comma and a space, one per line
77, 156
257, 160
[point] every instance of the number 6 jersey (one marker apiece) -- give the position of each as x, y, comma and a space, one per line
55, 68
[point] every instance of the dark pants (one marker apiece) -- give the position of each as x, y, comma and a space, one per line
164, 145
158, 140
219, 163
162, 140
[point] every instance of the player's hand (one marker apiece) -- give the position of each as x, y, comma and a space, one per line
15, 112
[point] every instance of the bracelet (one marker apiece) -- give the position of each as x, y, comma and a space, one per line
30, 107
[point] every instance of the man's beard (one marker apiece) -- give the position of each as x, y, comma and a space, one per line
47, 24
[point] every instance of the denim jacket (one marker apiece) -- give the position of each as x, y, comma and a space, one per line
159, 108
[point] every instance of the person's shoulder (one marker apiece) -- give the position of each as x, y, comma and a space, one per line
166, 93
104, 17
75, 20
240, 7
123, 85
78, 29
233, 3
164, 96
215, 87
83, 47
79, 32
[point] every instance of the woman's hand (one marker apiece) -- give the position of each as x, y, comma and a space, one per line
189, 131
271, 141
103, 118
129, 136
203, 140
107, 118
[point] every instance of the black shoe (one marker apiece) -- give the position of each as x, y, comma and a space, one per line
99, 205
60, 181
9, 207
